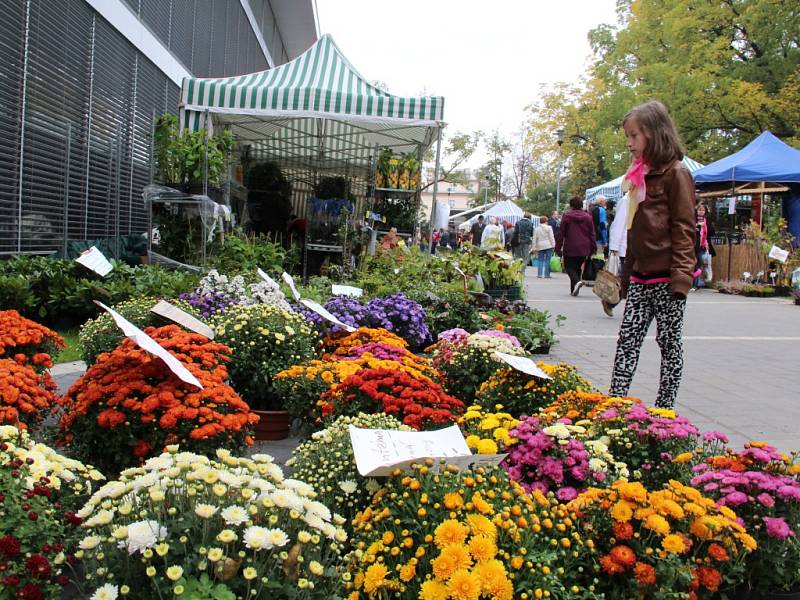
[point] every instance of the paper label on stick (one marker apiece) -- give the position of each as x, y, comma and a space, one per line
323, 312
732, 205
267, 278
346, 290
181, 317
148, 344
479, 279
94, 260
290, 281
522, 364
378, 451
779, 254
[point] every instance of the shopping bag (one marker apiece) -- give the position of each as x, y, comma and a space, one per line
555, 264
613, 263
607, 287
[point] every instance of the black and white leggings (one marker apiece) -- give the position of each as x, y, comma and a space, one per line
645, 302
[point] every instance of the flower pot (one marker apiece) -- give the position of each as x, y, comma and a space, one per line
272, 425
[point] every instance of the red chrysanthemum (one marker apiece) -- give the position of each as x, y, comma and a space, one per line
38, 566
9, 546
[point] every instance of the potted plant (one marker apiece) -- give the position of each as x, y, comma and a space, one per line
265, 339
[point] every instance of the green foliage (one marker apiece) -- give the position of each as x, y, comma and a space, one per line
64, 290
448, 309
727, 71
531, 328
203, 588
72, 350
101, 334
243, 253
181, 155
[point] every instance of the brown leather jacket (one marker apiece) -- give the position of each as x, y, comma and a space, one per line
661, 238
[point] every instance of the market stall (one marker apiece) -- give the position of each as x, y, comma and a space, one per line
612, 190
505, 210
315, 117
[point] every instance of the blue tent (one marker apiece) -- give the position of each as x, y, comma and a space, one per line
766, 158
612, 190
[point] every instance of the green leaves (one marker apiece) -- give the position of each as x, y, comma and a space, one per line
203, 588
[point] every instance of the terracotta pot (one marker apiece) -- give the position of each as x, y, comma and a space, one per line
273, 425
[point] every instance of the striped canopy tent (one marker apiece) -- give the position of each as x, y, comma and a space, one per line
613, 189
314, 113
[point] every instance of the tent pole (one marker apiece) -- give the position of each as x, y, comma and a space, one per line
435, 187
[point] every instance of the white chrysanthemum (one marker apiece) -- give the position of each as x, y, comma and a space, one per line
143, 535
234, 515
145, 481
286, 499
278, 538
348, 486
90, 542
103, 517
106, 592
157, 463
559, 431
313, 520
596, 464
230, 479
301, 487
257, 538
318, 508
271, 470
113, 489
262, 458
205, 511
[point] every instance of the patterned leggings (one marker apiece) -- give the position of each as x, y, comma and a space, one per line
645, 302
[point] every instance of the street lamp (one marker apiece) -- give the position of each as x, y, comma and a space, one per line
560, 140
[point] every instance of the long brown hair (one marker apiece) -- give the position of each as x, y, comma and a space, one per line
663, 141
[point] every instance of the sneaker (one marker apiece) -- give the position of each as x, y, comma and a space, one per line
607, 308
577, 288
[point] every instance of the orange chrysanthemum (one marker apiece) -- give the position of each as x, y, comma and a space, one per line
25, 340
134, 405
645, 574
623, 555
26, 397
623, 531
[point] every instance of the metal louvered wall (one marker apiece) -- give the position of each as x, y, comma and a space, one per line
77, 101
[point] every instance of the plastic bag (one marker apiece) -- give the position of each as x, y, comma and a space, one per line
555, 264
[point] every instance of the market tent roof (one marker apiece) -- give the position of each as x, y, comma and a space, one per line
504, 210
313, 111
612, 190
766, 158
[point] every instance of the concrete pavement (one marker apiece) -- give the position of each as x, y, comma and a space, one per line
741, 358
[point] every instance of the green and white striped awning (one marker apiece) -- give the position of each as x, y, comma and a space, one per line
316, 107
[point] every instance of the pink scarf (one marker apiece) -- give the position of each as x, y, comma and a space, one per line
701, 221
634, 183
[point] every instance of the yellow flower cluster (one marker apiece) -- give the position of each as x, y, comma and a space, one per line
439, 533
522, 394
578, 405
487, 432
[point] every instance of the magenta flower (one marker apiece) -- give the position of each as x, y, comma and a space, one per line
778, 528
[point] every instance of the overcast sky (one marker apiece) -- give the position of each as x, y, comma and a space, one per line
487, 58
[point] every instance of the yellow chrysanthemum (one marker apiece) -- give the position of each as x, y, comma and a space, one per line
492, 574
453, 501
407, 572
375, 577
658, 524
451, 559
472, 441
432, 590
631, 491
480, 525
622, 511
673, 543
487, 446
464, 585
481, 505
482, 548
450, 532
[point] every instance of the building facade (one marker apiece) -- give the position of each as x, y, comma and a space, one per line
458, 197
81, 82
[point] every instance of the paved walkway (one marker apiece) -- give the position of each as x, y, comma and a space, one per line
742, 358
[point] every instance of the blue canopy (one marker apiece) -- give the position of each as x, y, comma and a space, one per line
766, 158
612, 190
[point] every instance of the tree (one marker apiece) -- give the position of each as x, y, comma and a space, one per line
492, 170
727, 70
457, 151
521, 164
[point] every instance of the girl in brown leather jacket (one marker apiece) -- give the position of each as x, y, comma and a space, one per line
660, 261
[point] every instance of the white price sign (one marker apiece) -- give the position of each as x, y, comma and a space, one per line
181, 317
267, 278
379, 451
94, 260
290, 281
346, 290
148, 344
522, 364
323, 312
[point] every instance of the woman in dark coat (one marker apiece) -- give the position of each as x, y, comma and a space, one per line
576, 241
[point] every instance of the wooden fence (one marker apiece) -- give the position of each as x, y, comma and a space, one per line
732, 261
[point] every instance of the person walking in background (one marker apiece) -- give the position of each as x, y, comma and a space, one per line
508, 231
523, 234
477, 231
660, 261
555, 222
493, 236
543, 243
600, 218
575, 242
704, 249
617, 246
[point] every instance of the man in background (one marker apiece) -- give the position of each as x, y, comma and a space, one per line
477, 231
